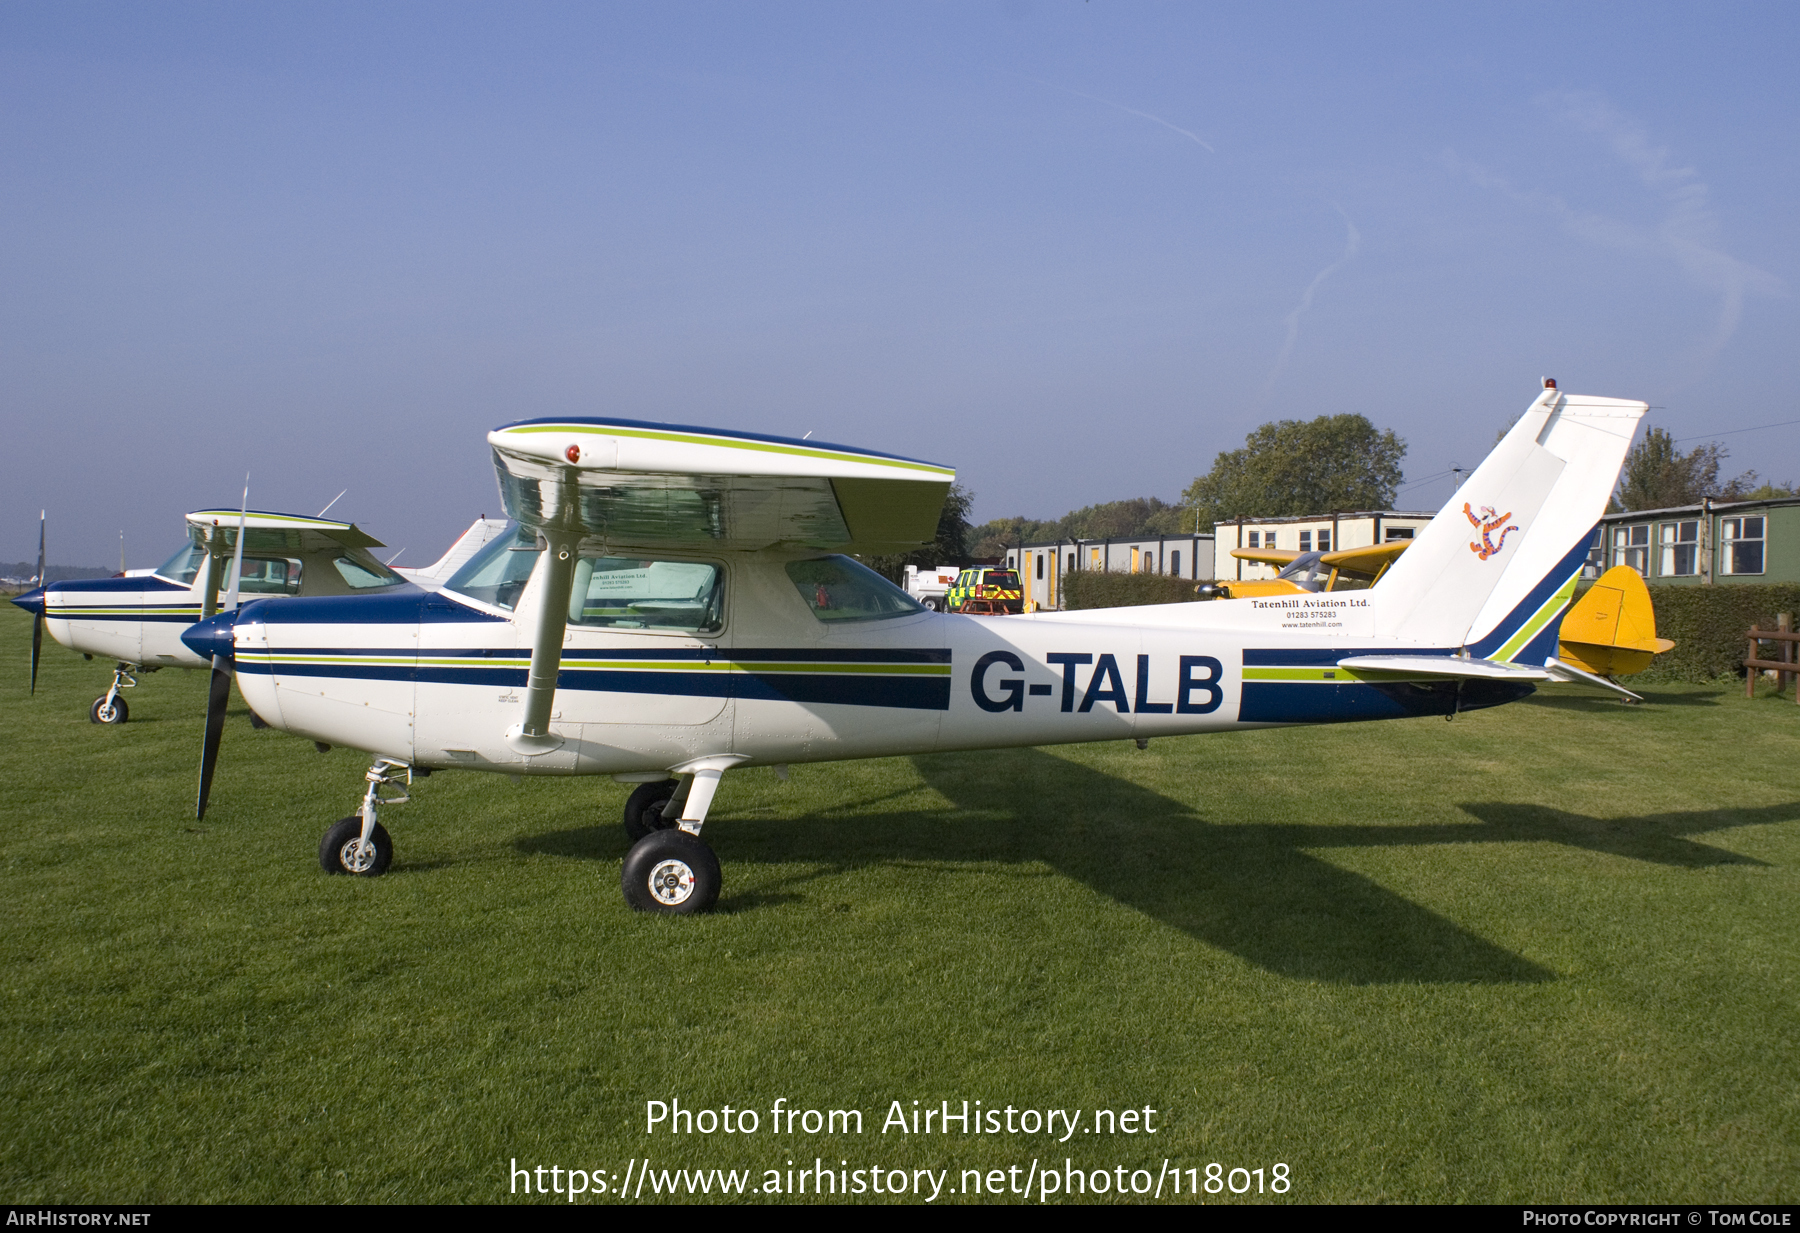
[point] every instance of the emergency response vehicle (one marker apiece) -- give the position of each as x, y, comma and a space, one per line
986, 589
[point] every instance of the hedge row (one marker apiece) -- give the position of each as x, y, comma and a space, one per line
1707, 624
1092, 588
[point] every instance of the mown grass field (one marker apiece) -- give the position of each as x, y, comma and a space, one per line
1544, 953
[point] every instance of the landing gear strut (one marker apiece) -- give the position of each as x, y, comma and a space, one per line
109, 707
669, 868
359, 844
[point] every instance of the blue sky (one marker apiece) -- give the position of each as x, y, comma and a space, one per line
1072, 249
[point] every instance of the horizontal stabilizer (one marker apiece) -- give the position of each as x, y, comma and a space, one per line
1447, 667
1570, 674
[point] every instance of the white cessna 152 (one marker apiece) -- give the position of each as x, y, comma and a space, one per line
674, 604
137, 620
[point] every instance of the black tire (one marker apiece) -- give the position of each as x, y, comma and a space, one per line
934, 603
671, 872
100, 713
334, 849
643, 811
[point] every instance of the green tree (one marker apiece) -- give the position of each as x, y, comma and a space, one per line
1657, 475
949, 547
1335, 462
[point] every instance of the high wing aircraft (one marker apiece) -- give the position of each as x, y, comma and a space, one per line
676, 603
137, 620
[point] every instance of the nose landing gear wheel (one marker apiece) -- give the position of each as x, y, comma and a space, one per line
102, 713
338, 854
643, 811
671, 872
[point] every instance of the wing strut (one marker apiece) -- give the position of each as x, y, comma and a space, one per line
532, 736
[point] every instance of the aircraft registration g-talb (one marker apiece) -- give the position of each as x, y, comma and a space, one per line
675, 603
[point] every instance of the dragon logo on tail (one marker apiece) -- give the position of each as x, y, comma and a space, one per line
1487, 520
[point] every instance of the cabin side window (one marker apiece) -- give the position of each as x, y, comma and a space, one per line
630, 593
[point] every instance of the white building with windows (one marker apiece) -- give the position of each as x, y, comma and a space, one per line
1043, 566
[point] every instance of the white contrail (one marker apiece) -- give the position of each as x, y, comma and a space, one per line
1352, 242
1688, 233
1175, 128
1106, 102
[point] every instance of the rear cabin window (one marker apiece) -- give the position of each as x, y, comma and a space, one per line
270, 576
837, 588
365, 573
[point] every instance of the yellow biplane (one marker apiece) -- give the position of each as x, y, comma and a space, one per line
1610, 632
1308, 572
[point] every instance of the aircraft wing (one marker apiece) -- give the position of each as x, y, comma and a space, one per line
266, 532
1369, 560
1265, 556
645, 484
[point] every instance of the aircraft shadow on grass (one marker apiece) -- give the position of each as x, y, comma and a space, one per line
1252, 889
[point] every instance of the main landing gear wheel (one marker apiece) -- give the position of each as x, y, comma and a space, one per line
104, 712
338, 854
671, 872
643, 811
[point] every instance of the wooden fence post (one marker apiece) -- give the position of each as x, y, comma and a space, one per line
1784, 621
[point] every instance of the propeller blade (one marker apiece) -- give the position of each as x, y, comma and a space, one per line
218, 693
237, 559
37, 618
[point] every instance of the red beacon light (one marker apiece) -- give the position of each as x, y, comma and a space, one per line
1549, 384
573, 453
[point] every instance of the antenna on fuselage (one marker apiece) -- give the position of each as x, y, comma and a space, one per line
331, 503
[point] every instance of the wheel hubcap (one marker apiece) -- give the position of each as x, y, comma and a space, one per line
672, 882
354, 861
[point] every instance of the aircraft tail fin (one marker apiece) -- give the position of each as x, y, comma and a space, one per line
1612, 631
1495, 569
467, 545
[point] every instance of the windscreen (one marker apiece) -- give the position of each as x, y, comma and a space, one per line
497, 573
837, 588
184, 565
